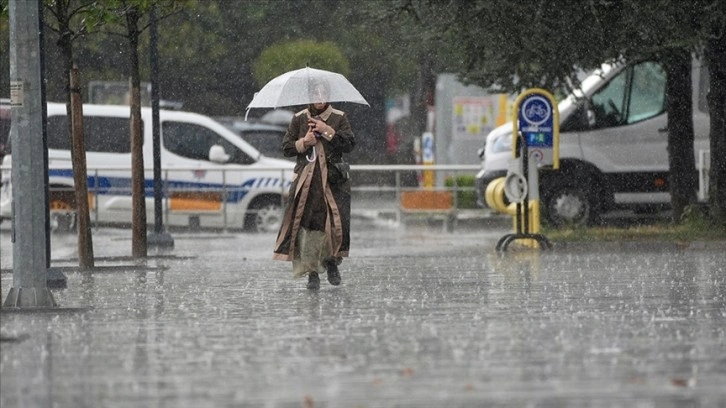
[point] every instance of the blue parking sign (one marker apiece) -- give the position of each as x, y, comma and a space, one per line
538, 120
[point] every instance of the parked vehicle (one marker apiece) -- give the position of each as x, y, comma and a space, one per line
211, 177
613, 145
265, 137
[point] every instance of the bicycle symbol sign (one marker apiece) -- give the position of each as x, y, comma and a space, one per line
536, 110
537, 121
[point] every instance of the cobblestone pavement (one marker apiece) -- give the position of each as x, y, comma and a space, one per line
424, 318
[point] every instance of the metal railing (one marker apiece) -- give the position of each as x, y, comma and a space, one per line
375, 188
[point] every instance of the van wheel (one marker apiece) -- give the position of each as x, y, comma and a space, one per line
62, 216
265, 215
568, 206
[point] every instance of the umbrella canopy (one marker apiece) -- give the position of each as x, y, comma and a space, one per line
305, 86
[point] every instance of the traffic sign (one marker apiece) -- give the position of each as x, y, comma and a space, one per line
427, 153
428, 148
537, 117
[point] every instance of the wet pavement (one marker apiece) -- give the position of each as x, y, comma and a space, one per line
424, 318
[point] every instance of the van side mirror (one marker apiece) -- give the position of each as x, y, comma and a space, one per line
480, 152
217, 154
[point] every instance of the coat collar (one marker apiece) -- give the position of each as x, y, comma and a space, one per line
326, 113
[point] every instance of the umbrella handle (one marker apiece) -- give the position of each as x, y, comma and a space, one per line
314, 156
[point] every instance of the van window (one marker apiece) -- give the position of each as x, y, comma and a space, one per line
102, 134
268, 142
648, 89
635, 94
194, 141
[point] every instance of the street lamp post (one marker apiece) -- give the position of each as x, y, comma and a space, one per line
31, 225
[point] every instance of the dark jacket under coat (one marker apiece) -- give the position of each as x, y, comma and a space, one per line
310, 185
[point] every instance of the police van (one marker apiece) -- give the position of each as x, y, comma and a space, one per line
613, 144
211, 177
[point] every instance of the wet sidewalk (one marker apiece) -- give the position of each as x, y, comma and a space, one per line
423, 318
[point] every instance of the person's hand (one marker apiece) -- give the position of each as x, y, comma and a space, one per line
309, 138
321, 127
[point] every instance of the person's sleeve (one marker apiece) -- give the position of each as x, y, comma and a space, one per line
343, 140
289, 147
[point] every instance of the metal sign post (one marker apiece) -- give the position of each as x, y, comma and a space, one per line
536, 143
159, 238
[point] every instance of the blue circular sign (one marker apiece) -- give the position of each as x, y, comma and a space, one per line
536, 110
536, 120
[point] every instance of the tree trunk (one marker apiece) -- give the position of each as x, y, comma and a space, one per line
77, 137
80, 174
423, 96
716, 60
421, 100
138, 202
683, 176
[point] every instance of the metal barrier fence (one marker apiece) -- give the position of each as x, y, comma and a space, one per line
391, 189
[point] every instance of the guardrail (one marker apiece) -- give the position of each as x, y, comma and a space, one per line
402, 199
389, 189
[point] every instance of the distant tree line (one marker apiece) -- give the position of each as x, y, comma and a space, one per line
510, 45
209, 48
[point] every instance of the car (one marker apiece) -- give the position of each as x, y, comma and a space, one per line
211, 177
612, 145
265, 137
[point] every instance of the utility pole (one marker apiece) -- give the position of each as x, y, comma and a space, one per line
159, 238
31, 249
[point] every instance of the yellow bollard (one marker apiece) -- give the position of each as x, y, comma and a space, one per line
534, 226
494, 196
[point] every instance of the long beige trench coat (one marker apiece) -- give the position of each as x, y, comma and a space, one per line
310, 186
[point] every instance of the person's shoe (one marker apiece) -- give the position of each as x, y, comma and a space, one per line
333, 273
313, 281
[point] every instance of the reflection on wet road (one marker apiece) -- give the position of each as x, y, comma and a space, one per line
423, 318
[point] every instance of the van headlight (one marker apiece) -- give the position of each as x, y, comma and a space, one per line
500, 143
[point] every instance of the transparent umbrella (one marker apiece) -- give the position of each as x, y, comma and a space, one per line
305, 86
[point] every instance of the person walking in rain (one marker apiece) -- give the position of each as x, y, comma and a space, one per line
315, 230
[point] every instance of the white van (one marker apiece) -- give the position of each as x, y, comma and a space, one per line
211, 177
613, 145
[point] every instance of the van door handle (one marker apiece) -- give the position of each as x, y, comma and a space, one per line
663, 130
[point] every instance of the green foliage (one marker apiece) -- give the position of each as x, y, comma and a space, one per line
411, 46
696, 225
288, 56
657, 232
465, 196
696, 217
511, 45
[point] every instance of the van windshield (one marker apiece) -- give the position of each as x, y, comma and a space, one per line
589, 83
